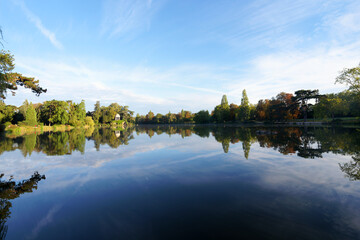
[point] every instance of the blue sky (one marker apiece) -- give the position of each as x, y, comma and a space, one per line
163, 55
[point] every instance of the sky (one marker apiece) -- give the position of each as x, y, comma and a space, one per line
164, 55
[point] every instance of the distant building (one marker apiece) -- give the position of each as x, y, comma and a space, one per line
117, 117
117, 134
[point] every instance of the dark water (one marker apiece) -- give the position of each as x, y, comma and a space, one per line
182, 183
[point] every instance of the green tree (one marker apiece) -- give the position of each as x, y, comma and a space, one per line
30, 117
330, 106
77, 113
244, 114
54, 112
224, 101
10, 80
89, 121
221, 112
23, 108
350, 77
6, 112
97, 112
202, 117
149, 116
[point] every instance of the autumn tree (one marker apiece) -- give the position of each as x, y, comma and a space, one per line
302, 98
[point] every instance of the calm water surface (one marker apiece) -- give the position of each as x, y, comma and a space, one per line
182, 183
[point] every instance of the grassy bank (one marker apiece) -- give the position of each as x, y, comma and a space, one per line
14, 130
24, 130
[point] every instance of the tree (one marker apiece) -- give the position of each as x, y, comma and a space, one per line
302, 98
224, 101
97, 112
89, 121
24, 107
77, 113
149, 116
30, 117
202, 117
6, 112
221, 112
244, 107
10, 80
10, 190
350, 77
54, 112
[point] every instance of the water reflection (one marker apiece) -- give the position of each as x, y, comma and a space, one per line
306, 142
169, 182
10, 190
352, 168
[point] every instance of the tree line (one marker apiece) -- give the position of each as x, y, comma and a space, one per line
57, 112
303, 104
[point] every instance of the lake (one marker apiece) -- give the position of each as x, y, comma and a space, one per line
182, 182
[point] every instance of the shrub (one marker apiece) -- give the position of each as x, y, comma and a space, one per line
89, 121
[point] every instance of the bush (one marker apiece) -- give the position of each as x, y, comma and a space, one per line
89, 121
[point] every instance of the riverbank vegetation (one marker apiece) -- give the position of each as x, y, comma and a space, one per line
302, 105
58, 115
284, 107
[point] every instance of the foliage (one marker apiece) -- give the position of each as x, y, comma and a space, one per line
54, 112
10, 80
6, 112
244, 110
77, 113
10, 190
302, 98
89, 121
105, 115
224, 101
202, 117
97, 112
221, 112
350, 77
30, 117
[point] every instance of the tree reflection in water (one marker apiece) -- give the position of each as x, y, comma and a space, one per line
306, 142
352, 168
10, 190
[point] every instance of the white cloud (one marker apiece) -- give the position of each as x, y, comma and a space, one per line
120, 17
313, 68
39, 25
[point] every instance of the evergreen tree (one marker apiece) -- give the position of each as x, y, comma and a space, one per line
244, 109
224, 101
